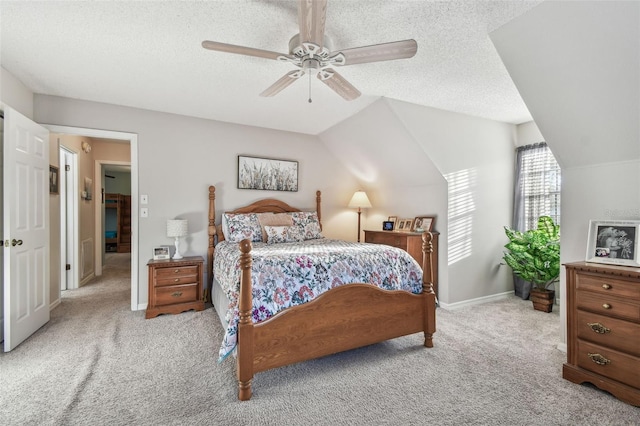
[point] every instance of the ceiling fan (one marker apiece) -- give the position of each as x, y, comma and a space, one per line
310, 50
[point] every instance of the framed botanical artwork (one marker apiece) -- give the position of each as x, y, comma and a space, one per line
53, 180
404, 225
614, 242
268, 174
423, 223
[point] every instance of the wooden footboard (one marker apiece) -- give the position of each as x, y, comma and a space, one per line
346, 317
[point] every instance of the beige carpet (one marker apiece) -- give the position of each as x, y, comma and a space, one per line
98, 363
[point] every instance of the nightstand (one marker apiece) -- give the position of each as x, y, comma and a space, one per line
175, 286
411, 242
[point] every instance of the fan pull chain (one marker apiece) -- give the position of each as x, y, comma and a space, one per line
310, 88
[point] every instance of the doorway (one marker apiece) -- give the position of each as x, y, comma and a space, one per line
132, 140
68, 178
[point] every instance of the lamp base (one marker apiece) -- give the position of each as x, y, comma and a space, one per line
177, 255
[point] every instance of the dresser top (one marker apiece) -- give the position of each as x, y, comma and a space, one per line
171, 262
605, 268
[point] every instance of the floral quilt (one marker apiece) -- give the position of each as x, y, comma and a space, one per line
289, 274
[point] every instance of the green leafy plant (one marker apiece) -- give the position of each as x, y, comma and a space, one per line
534, 255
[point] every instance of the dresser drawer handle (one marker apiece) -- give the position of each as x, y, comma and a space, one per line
178, 270
177, 294
606, 306
598, 328
599, 359
177, 280
606, 286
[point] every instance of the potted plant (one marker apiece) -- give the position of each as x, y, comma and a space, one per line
534, 256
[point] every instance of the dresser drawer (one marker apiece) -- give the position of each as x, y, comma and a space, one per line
610, 332
609, 363
176, 294
390, 239
177, 275
609, 306
608, 286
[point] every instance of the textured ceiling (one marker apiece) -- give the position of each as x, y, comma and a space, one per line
149, 55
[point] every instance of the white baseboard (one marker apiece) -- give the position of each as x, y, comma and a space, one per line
55, 304
562, 347
478, 301
142, 307
86, 279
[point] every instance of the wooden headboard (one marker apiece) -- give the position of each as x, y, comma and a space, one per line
261, 206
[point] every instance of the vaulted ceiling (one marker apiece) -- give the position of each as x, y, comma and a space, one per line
149, 55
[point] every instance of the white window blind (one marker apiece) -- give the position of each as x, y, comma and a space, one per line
537, 191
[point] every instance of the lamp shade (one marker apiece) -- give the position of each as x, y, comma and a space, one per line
359, 200
177, 227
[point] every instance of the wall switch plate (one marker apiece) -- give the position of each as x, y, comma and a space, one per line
144, 212
144, 199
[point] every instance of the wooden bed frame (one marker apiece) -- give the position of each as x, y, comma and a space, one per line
344, 318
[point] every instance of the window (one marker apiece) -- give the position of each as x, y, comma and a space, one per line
537, 189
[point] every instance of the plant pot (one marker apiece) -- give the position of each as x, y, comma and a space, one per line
542, 299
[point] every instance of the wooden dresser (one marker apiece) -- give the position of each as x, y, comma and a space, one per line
411, 242
603, 328
175, 286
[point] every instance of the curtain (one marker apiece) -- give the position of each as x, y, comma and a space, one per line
536, 193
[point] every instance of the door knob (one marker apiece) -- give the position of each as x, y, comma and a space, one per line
15, 242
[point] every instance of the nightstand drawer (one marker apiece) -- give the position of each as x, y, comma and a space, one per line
176, 294
609, 363
608, 286
609, 306
615, 333
177, 271
176, 279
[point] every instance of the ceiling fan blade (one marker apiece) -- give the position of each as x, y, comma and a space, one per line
282, 83
338, 84
377, 52
241, 50
311, 18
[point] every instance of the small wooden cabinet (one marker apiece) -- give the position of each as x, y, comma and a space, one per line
175, 286
603, 328
411, 242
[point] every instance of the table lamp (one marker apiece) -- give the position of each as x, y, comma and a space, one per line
177, 228
359, 201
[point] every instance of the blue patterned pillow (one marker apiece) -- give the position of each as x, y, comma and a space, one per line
243, 225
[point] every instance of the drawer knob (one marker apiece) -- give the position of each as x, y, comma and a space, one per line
606, 286
606, 306
177, 280
599, 359
178, 270
177, 294
598, 328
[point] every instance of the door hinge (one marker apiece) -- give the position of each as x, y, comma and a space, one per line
67, 167
67, 267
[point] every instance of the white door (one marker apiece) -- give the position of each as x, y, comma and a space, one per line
26, 227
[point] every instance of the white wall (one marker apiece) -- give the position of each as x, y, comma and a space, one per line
179, 157
414, 160
528, 134
577, 67
15, 94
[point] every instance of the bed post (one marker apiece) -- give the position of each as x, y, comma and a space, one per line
212, 233
318, 207
427, 289
245, 326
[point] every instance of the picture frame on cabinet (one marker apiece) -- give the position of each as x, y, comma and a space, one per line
423, 223
614, 242
405, 225
161, 253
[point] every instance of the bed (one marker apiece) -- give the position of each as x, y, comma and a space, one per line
344, 317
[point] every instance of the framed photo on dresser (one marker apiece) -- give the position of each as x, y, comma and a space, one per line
614, 242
